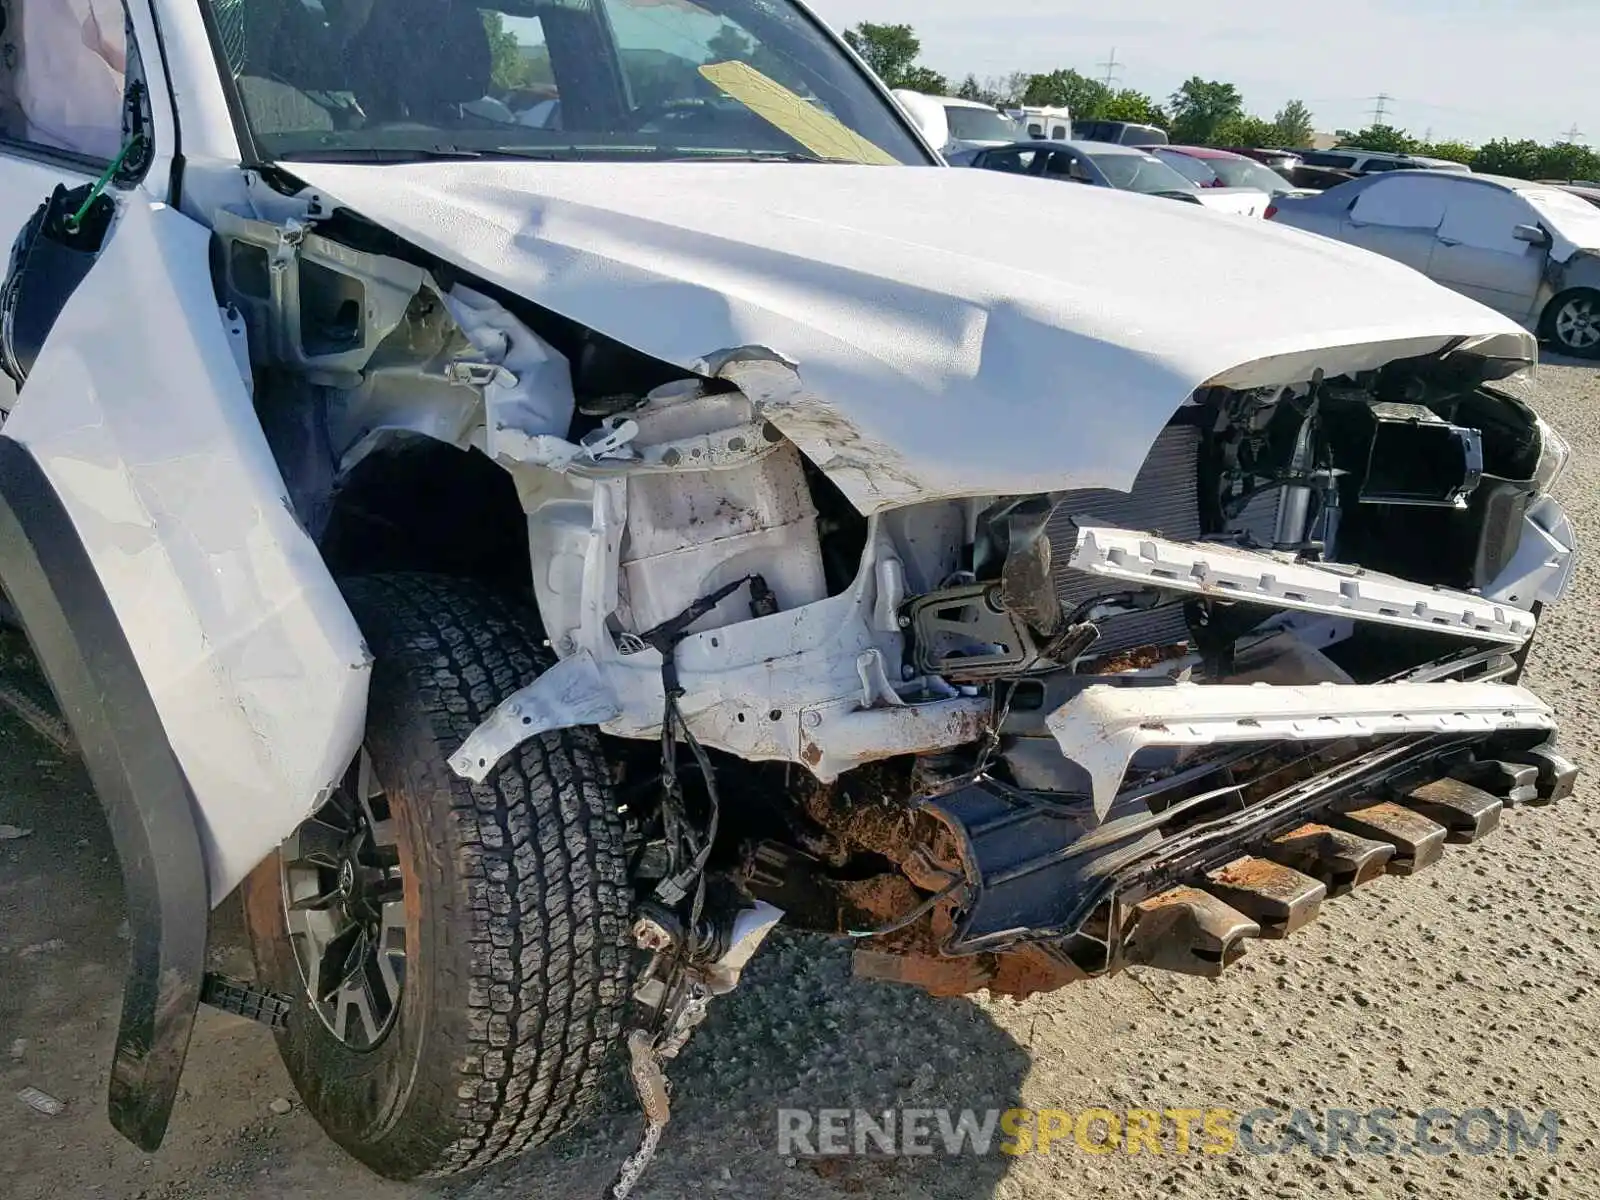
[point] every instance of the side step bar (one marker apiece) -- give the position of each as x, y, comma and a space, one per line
1103, 727
1278, 580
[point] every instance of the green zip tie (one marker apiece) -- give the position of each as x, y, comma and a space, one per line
74, 222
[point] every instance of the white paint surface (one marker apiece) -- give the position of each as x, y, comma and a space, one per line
952, 335
138, 416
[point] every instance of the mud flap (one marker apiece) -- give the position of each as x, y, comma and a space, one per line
80, 646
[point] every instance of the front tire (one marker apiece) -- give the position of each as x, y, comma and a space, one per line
511, 895
1572, 323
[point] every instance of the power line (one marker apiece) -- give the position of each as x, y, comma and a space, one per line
1380, 108
1111, 66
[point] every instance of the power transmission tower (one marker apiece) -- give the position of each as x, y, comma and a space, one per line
1111, 66
1380, 108
1572, 136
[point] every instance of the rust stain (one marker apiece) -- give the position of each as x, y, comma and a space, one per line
1140, 658
1262, 876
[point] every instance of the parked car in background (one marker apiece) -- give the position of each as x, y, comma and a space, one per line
1111, 166
958, 126
1281, 161
1207, 167
1320, 178
1123, 133
1582, 188
1529, 250
1369, 162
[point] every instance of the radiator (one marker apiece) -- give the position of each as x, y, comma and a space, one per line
1165, 499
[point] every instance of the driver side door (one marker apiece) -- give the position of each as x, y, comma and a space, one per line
1479, 255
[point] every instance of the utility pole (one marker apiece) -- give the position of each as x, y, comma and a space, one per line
1111, 66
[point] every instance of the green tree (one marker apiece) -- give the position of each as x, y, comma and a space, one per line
1292, 126
1201, 107
1078, 93
1009, 89
1459, 152
1521, 159
889, 50
1380, 137
971, 89
924, 79
1244, 131
1129, 105
508, 66
1568, 160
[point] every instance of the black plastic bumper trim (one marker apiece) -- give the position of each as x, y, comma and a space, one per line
51, 582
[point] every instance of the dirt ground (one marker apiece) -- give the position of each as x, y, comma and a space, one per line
1474, 985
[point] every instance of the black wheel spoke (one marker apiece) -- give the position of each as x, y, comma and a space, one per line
319, 844
339, 959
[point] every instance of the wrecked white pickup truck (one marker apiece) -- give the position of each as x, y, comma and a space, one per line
538, 494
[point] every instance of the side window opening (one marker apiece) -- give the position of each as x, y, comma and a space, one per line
62, 73
1402, 202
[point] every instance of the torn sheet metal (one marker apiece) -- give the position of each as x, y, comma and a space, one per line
1542, 568
1251, 576
1103, 727
927, 356
571, 693
250, 653
527, 383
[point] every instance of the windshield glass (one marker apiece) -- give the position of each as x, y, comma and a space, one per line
1191, 169
1573, 217
565, 79
980, 125
1242, 172
1140, 173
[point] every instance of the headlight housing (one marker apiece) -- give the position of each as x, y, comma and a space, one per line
1553, 457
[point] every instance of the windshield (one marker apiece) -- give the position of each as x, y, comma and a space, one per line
1573, 217
371, 80
980, 125
1140, 173
1242, 172
1191, 169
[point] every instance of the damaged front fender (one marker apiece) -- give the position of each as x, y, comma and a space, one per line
139, 419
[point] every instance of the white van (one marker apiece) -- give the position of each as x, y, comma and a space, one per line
1045, 123
959, 126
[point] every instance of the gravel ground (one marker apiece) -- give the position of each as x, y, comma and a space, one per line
1474, 985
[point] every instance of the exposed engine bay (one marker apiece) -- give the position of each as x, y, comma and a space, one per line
995, 729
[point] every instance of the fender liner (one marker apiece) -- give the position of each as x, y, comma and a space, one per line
148, 803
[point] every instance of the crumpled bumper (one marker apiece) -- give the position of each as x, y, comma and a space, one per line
1103, 727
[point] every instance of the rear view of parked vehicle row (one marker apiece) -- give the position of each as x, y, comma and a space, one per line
1528, 250
532, 527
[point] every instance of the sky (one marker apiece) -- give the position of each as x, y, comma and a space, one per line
1468, 70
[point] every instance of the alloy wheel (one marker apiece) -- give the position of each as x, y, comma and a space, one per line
344, 901
1577, 323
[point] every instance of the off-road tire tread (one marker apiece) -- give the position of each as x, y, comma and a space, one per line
528, 913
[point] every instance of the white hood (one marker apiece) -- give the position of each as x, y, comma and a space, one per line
950, 332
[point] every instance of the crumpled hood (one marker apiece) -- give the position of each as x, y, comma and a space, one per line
921, 332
